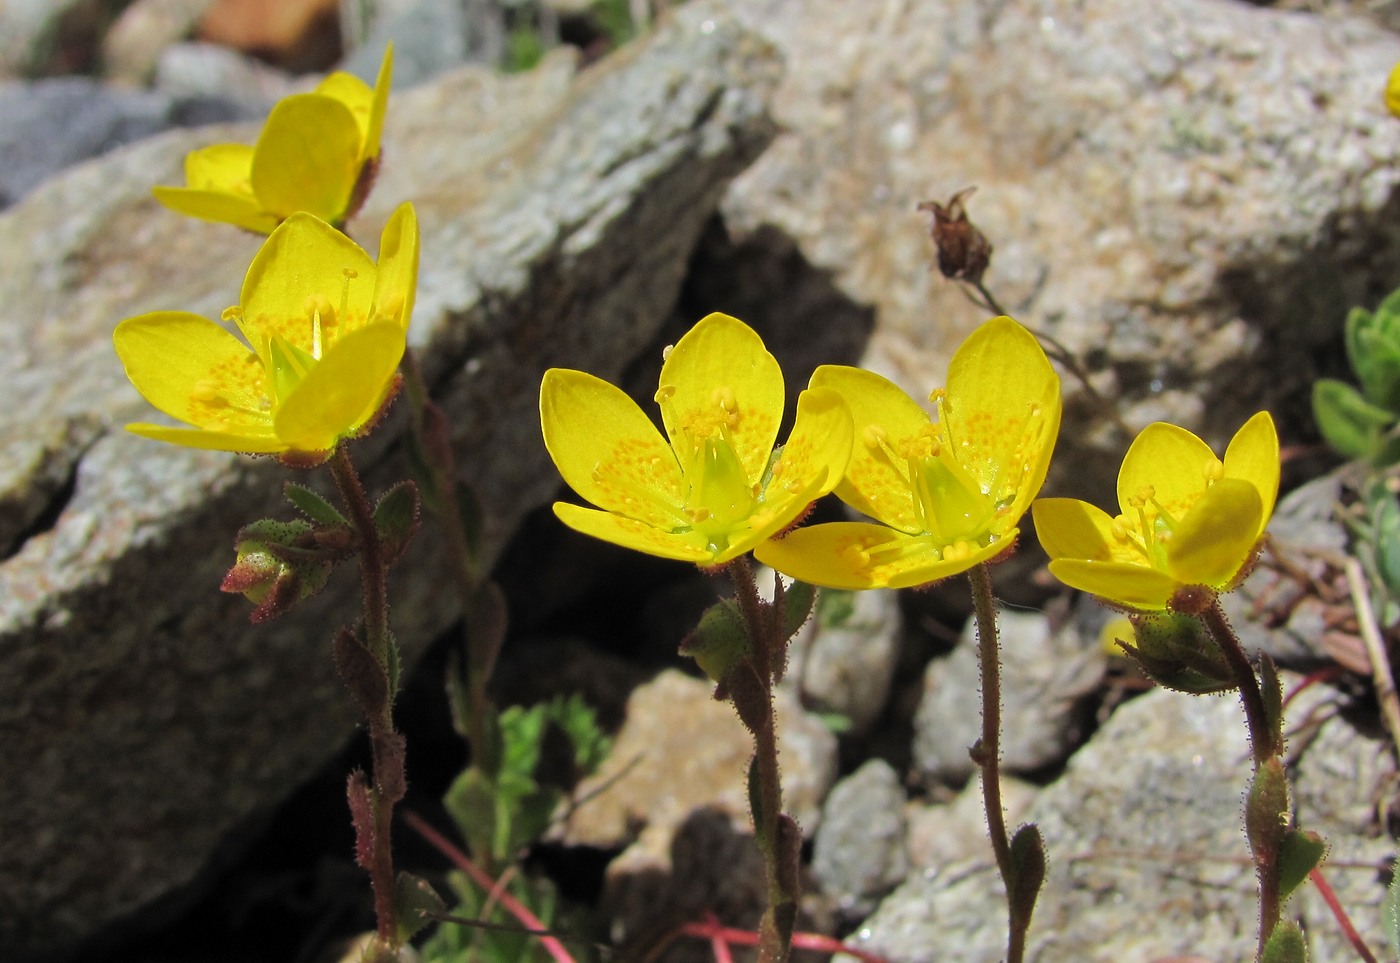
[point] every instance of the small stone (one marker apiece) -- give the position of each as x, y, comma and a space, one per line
859, 852
1045, 676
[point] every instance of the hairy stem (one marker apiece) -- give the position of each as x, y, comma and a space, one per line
766, 797
385, 744
987, 752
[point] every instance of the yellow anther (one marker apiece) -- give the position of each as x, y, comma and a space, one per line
1214, 471
724, 397
792, 486
349, 274
665, 393
206, 392
391, 307
938, 396
1122, 528
958, 551
318, 307
698, 515
233, 312
873, 436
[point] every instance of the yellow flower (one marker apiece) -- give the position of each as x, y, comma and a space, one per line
1392, 91
949, 493
1187, 518
717, 488
317, 153
327, 328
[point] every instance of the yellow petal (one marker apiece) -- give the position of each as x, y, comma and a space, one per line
396, 280
253, 444
1217, 536
1135, 586
861, 555
375, 129
818, 447
1253, 457
1392, 91
305, 263
221, 167
887, 426
307, 158
1070, 528
720, 374
639, 536
608, 451
217, 207
342, 391
1003, 412
195, 371
1169, 462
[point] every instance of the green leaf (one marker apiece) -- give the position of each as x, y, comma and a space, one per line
1378, 367
1299, 854
1027, 872
396, 519
416, 904
1272, 690
313, 506
1286, 945
719, 641
1266, 807
798, 599
1350, 423
1390, 914
835, 607
471, 802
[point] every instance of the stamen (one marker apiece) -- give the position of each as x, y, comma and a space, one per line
1214, 471
233, 312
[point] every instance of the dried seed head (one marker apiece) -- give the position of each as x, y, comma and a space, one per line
963, 251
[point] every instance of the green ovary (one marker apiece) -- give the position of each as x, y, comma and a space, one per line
720, 497
949, 502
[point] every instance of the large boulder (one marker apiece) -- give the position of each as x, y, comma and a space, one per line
141, 717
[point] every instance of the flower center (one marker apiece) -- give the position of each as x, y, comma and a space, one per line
1150, 531
719, 497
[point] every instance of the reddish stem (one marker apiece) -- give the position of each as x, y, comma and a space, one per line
1335, 905
516, 908
712, 930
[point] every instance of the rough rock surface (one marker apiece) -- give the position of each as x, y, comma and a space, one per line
1045, 677
1147, 857
1189, 194
141, 718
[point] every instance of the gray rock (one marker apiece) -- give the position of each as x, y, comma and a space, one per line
1147, 857
859, 852
196, 69
140, 716
842, 661
1045, 677
133, 43
945, 834
47, 126
429, 37
1189, 193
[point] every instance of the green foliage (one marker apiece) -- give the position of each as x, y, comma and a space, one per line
500, 937
1363, 423
1286, 945
1375, 529
543, 753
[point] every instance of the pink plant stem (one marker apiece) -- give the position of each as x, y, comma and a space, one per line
801, 941
718, 944
1344, 921
516, 908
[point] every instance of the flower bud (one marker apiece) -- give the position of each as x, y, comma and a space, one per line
1175, 651
272, 571
963, 251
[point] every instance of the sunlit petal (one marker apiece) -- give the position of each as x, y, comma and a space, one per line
1133, 585
343, 391
1168, 462
1253, 456
719, 378
634, 534
398, 267
607, 449
195, 371
306, 268
1217, 535
308, 157
253, 444
221, 208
